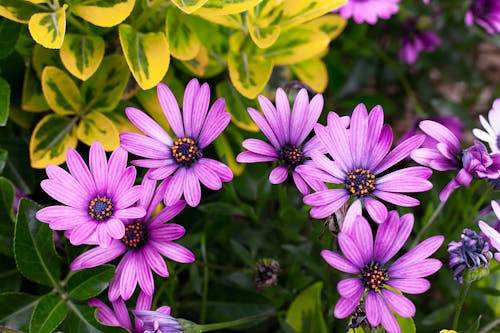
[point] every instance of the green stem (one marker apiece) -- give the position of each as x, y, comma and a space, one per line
204, 295
490, 326
428, 223
234, 323
402, 79
461, 301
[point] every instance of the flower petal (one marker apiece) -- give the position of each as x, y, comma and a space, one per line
262, 123
206, 176
350, 287
399, 303
260, 147
174, 251
440, 133
192, 188
144, 276
65, 194
128, 277
339, 262
416, 270
350, 249
362, 234
311, 117
144, 146
98, 166
399, 153
410, 286
79, 170
376, 209
170, 109
358, 134
216, 121
147, 125
188, 107
278, 175
399, 239
420, 252
175, 187
98, 256
298, 116
116, 166
283, 113
345, 307
387, 319
155, 261
372, 308
396, 198
81, 233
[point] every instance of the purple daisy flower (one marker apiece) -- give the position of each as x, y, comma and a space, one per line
96, 201
143, 244
360, 155
486, 14
454, 124
369, 10
376, 280
415, 41
491, 133
182, 159
287, 132
492, 234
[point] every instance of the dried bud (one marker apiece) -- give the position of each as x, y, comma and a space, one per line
266, 274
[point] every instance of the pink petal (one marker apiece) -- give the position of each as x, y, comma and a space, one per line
339, 262
376, 209
174, 251
170, 109
298, 116
399, 303
79, 170
345, 307
250, 157
99, 166
206, 176
115, 228
165, 215
147, 125
201, 108
362, 233
262, 123
144, 146
358, 133
116, 166
372, 309
98, 256
350, 287
68, 196
155, 261
175, 187
399, 153
260, 147
312, 114
144, 276
128, 277
192, 189
278, 175
387, 318
217, 120
396, 198
272, 118
82, 233
283, 113
350, 250
188, 110
410, 286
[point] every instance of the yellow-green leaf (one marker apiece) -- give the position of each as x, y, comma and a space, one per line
52, 136
237, 106
81, 54
312, 72
94, 126
305, 314
19, 10
229, 21
60, 91
103, 90
120, 120
43, 57
297, 12
198, 65
263, 36
331, 24
226, 7
47, 29
224, 150
183, 42
297, 44
32, 96
189, 6
147, 55
249, 73
104, 13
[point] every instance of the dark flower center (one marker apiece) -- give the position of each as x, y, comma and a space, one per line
136, 235
374, 276
360, 182
291, 155
185, 151
100, 208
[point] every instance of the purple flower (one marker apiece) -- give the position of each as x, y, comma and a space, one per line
143, 245
286, 132
119, 316
454, 124
96, 201
376, 280
360, 155
181, 159
479, 163
492, 234
369, 10
415, 41
491, 134
486, 14
158, 322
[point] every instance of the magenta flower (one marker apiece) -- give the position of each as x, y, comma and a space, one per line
143, 244
96, 201
491, 133
360, 155
453, 123
492, 234
369, 10
182, 158
375, 279
486, 14
415, 41
286, 132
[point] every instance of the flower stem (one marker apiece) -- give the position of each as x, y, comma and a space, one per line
233, 323
461, 301
204, 295
428, 224
490, 326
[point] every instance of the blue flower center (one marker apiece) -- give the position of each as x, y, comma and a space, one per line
136, 235
360, 182
291, 155
185, 151
374, 276
100, 208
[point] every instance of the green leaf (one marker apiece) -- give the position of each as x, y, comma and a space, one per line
48, 29
52, 136
95, 126
34, 250
3, 159
407, 325
147, 55
32, 97
81, 54
43, 57
237, 106
474, 327
10, 279
60, 91
49, 312
183, 41
103, 90
226, 7
312, 72
9, 31
4, 101
7, 194
88, 283
81, 319
16, 309
305, 314
104, 13
18, 10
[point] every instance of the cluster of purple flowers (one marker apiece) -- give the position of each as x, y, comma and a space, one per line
346, 163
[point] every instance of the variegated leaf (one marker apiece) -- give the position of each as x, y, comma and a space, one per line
19, 10
103, 90
43, 57
189, 6
60, 91
331, 24
183, 41
32, 97
81, 54
237, 106
147, 55
47, 29
312, 72
226, 7
249, 73
198, 65
104, 13
297, 12
95, 126
52, 136
263, 36
297, 44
